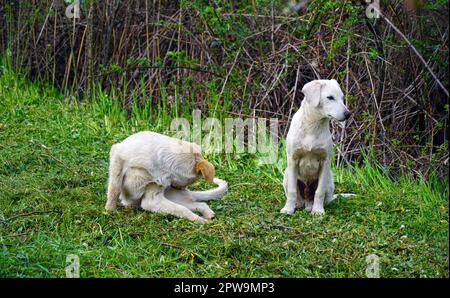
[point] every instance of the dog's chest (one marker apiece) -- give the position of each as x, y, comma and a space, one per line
309, 163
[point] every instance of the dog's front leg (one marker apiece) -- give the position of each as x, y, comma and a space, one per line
155, 201
184, 198
290, 186
325, 178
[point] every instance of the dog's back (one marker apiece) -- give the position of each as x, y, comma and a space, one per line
168, 160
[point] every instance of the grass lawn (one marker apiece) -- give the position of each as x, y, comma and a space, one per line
54, 156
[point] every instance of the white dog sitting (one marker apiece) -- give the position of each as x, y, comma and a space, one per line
308, 181
152, 171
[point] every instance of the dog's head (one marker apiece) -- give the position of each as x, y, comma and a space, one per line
206, 168
327, 99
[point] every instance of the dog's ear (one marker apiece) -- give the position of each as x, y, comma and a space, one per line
312, 92
206, 168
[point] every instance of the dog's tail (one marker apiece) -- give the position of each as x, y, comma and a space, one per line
344, 195
211, 194
340, 195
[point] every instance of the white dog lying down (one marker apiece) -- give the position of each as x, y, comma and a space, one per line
152, 171
308, 181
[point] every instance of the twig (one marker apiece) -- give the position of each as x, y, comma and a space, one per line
171, 245
293, 96
45, 22
49, 154
31, 213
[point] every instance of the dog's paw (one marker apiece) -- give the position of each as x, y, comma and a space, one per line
202, 220
308, 208
318, 211
209, 215
300, 205
287, 210
110, 207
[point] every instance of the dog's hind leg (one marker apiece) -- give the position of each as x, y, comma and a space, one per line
301, 202
308, 191
155, 201
329, 196
323, 188
114, 180
133, 187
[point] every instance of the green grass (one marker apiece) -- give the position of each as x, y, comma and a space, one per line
53, 156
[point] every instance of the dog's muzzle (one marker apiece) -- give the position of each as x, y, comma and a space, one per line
347, 114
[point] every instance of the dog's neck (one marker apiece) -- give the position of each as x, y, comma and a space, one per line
315, 121
184, 167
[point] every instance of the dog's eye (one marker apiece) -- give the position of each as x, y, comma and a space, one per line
330, 97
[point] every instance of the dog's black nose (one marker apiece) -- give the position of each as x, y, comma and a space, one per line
347, 114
